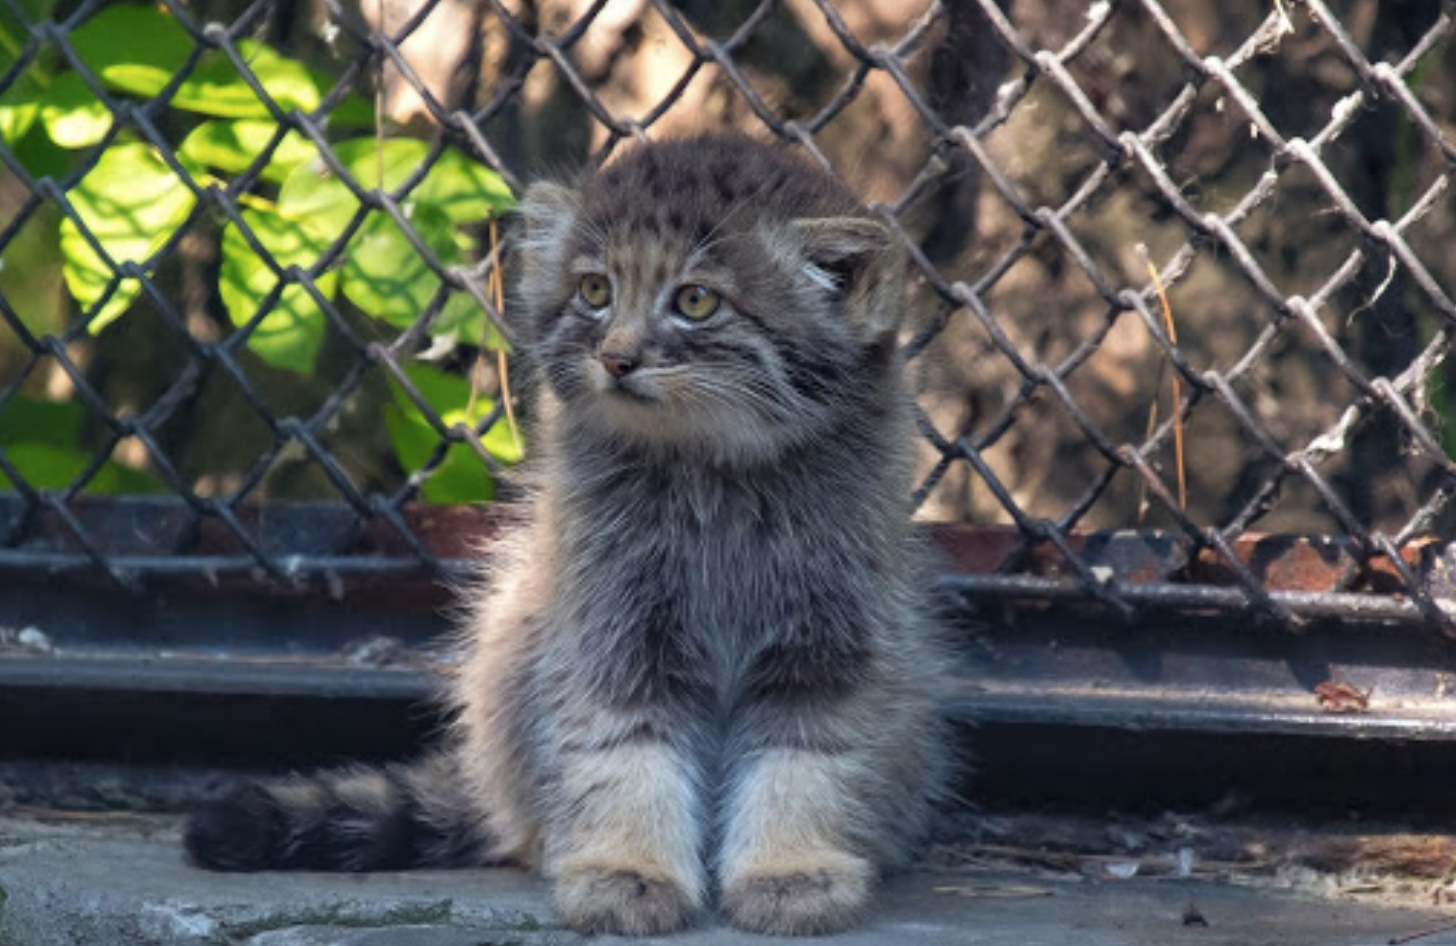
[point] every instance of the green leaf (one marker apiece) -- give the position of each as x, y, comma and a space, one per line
13, 29
290, 335
216, 87
469, 322
132, 203
312, 192
461, 476
71, 114
465, 190
42, 440
460, 189
138, 49
385, 276
43, 465
382, 273
30, 276
133, 48
233, 146
26, 418
50, 466
18, 109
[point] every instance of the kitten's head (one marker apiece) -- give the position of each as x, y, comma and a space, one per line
711, 293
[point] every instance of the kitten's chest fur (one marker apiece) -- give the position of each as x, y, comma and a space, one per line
704, 567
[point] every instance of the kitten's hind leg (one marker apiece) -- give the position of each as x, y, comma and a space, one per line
625, 844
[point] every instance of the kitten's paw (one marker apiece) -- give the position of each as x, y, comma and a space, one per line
814, 896
630, 902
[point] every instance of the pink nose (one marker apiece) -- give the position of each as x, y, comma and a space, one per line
617, 364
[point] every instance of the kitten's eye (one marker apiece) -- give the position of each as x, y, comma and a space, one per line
595, 289
696, 302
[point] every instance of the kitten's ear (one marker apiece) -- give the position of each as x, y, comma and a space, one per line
546, 214
861, 262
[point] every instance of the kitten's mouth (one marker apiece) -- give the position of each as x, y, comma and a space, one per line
629, 387
630, 390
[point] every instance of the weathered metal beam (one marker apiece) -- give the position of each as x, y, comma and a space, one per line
1038, 647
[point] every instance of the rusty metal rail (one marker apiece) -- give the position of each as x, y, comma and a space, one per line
1037, 650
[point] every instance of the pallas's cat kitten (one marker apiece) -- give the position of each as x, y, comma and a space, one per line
702, 671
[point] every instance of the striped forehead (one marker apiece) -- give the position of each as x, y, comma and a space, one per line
645, 259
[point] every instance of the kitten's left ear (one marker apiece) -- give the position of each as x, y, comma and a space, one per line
861, 261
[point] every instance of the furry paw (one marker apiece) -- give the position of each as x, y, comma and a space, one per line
630, 902
803, 900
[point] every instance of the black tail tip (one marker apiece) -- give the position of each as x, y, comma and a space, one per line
241, 831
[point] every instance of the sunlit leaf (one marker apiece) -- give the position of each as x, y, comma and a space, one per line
290, 335
385, 276
464, 317
133, 48
216, 87
461, 476
18, 109
460, 189
465, 190
132, 203
233, 146
138, 49
71, 113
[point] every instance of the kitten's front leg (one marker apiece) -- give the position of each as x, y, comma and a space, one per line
625, 842
792, 857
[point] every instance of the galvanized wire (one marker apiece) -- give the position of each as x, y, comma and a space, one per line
958, 141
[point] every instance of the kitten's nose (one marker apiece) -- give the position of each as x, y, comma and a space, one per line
618, 364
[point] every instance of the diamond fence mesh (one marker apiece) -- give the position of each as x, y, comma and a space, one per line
1180, 268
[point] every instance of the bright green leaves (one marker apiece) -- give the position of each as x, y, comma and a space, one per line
273, 207
131, 203
134, 49
384, 275
232, 146
71, 115
290, 334
15, 19
461, 476
380, 272
18, 110
43, 441
139, 49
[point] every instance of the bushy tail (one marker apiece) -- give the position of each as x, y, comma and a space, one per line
355, 819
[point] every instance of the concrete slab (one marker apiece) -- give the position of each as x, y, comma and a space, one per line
109, 881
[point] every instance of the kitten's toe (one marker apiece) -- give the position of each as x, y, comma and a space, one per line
629, 902
805, 899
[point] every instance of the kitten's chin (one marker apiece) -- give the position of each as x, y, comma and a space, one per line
661, 426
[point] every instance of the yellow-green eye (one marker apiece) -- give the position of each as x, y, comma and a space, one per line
595, 289
696, 302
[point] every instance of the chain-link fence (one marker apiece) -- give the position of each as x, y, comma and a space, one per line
1180, 268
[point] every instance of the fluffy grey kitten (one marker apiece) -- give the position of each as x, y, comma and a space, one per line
702, 670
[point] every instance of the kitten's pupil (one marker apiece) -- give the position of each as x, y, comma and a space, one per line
696, 302
595, 290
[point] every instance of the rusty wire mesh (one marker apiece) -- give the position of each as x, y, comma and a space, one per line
1284, 170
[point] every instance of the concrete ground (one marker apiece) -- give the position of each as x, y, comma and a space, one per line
103, 880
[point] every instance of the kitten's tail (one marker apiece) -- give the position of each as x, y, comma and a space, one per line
355, 819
